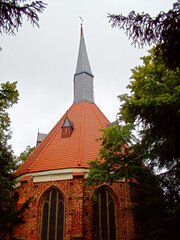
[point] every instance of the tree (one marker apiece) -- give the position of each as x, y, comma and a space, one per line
155, 106
153, 109
23, 156
9, 215
158, 218
119, 160
163, 31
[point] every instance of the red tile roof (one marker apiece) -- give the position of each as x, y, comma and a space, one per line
25, 178
78, 174
74, 152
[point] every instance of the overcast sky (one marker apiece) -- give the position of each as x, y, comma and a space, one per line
43, 61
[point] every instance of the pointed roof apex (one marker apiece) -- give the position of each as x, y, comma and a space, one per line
81, 25
81, 20
73, 151
83, 65
83, 77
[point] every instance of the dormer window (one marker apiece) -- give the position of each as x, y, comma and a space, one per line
67, 128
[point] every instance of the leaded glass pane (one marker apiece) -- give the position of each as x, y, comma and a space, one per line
112, 226
104, 235
52, 215
45, 221
104, 226
60, 221
109, 198
95, 221
47, 198
60, 197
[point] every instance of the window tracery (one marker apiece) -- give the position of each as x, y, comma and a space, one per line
104, 220
52, 220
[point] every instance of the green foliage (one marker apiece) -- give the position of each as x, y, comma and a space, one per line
153, 110
155, 106
150, 209
121, 158
8, 96
118, 160
157, 215
163, 30
9, 215
24, 155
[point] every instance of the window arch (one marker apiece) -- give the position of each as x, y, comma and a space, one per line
104, 220
52, 216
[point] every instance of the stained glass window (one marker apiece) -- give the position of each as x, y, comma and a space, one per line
104, 221
52, 223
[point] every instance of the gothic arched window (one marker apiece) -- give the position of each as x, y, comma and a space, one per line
52, 220
104, 220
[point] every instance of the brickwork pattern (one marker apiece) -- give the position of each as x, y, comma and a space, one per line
78, 200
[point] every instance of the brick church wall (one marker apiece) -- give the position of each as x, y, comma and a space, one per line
78, 203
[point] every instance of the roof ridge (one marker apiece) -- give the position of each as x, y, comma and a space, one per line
102, 113
81, 136
96, 114
51, 138
76, 104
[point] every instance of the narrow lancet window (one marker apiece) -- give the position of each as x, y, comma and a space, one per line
52, 222
104, 224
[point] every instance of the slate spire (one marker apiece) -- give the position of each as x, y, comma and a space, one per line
83, 77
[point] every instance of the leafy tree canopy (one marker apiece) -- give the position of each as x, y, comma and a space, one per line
162, 30
118, 162
155, 106
153, 109
9, 215
117, 158
8, 97
24, 155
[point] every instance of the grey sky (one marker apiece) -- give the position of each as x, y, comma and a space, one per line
43, 61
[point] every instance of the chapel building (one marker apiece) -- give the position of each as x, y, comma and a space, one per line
62, 207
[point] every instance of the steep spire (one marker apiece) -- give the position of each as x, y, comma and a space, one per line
83, 77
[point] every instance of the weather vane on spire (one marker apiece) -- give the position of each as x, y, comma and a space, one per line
81, 20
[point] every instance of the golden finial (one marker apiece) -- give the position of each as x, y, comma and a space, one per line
81, 20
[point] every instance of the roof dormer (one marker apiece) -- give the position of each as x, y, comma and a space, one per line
67, 128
